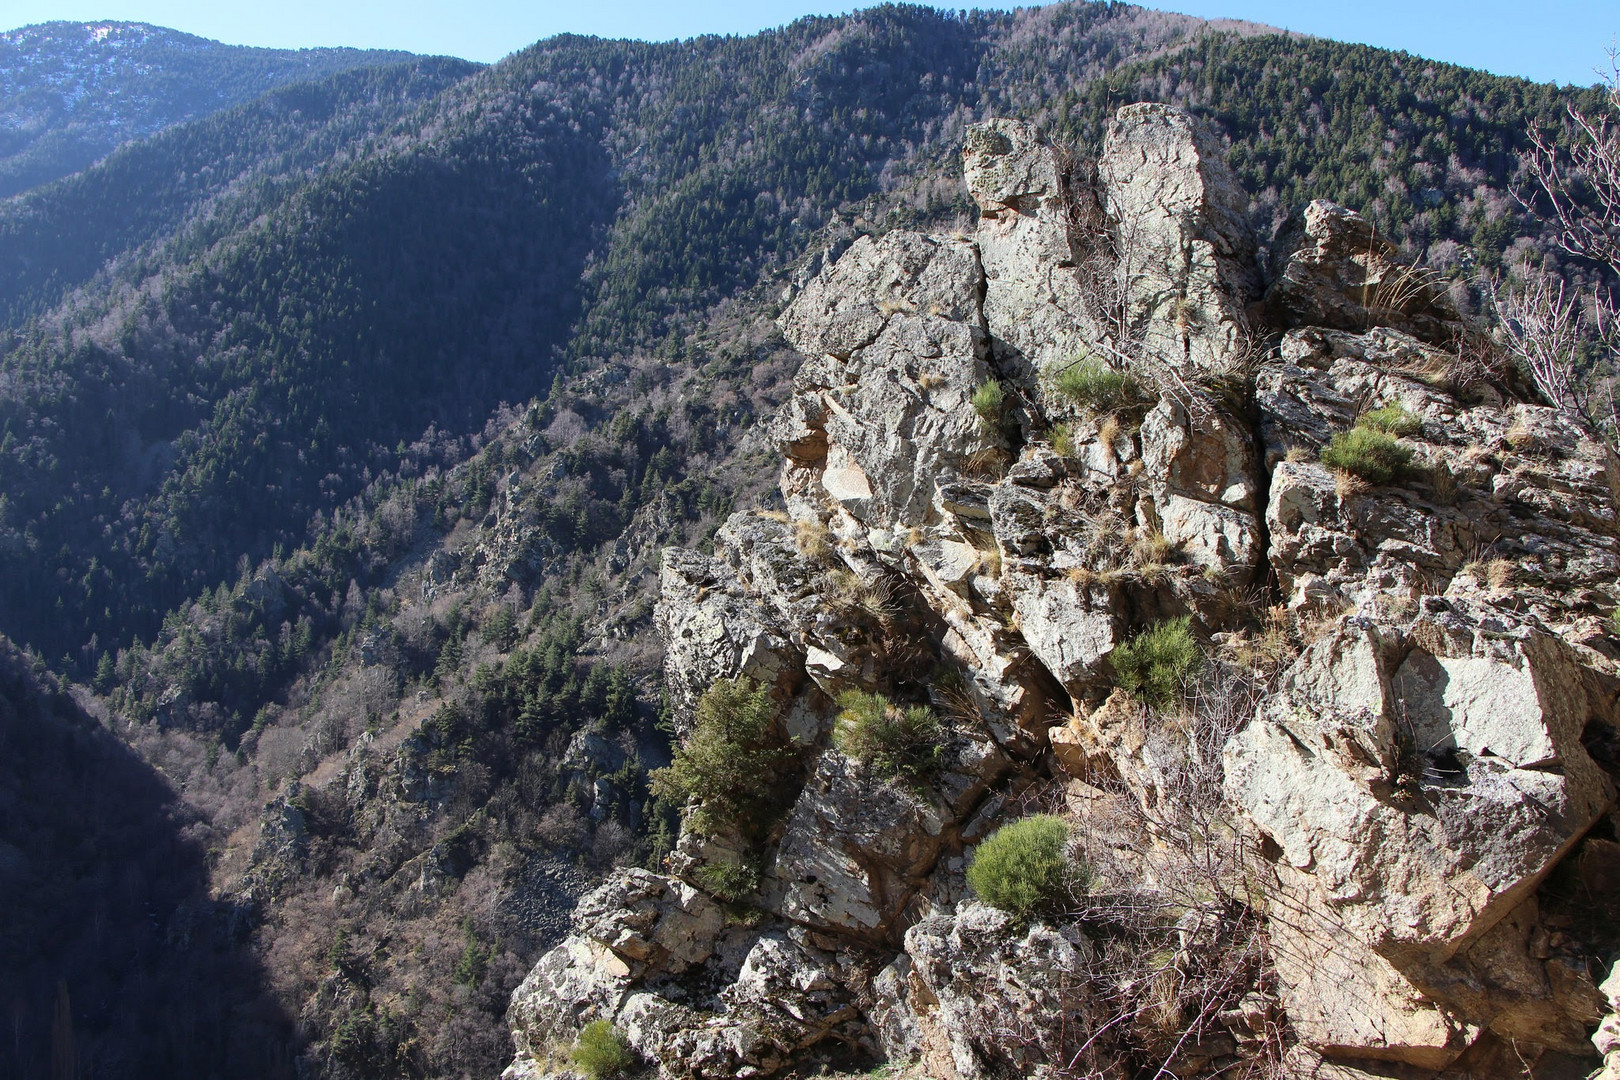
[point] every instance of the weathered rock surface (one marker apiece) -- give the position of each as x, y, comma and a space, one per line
714, 630
979, 981
1420, 785
1032, 296
1329, 267
1488, 481
1182, 219
898, 323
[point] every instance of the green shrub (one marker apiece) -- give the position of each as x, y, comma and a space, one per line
729, 761
600, 1052
1024, 868
728, 881
1396, 420
1365, 452
1094, 385
893, 740
1063, 440
1156, 664
990, 402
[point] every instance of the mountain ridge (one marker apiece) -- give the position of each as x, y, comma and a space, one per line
75, 91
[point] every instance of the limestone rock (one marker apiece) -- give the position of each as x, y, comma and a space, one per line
1033, 304
1070, 627
851, 302
977, 975
857, 848
1329, 267
898, 322
1205, 480
1488, 480
572, 984
1421, 835
714, 630
1213, 460
1404, 834
1181, 219
651, 922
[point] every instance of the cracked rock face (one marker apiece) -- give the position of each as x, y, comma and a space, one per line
1420, 785
898, 327
1329, 267
1032, 296
1508, 482
1182, 216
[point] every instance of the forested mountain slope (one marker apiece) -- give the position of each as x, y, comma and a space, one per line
71, 92
117, 962
210, 176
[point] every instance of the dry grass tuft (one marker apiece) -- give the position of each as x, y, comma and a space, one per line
814, 540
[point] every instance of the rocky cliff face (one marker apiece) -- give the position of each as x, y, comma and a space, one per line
1373, 834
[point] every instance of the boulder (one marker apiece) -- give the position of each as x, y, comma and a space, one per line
1070, 627
1329, 267
653, 923
858, 848
1033, 303
897, 346
998, 997
712, 630
853, 299
1181, 222
1405, 834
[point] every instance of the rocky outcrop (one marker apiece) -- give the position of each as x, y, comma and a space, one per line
1032, 292
1420, 783
978, 981
1330, 268
1181, 222
1404, 738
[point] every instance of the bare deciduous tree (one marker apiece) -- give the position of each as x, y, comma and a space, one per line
1543, 320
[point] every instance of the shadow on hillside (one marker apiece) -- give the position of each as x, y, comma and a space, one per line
114, 963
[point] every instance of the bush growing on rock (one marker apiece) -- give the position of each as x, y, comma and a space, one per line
1024, 868
1366, 452
728, 881
894, 740
1092, 384
990, 402
600, 1052
1396, 420
729, 761
1156, 664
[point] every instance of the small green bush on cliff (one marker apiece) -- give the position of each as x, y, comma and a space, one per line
1156, 664
601, 1052
894, 740
1396, 420
1024, 868
990, 402
729, 761
1366, 452
729, 881
1092, 384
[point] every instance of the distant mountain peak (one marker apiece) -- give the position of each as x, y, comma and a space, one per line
75, 90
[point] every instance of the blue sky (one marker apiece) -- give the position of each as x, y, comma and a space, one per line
1546, 40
